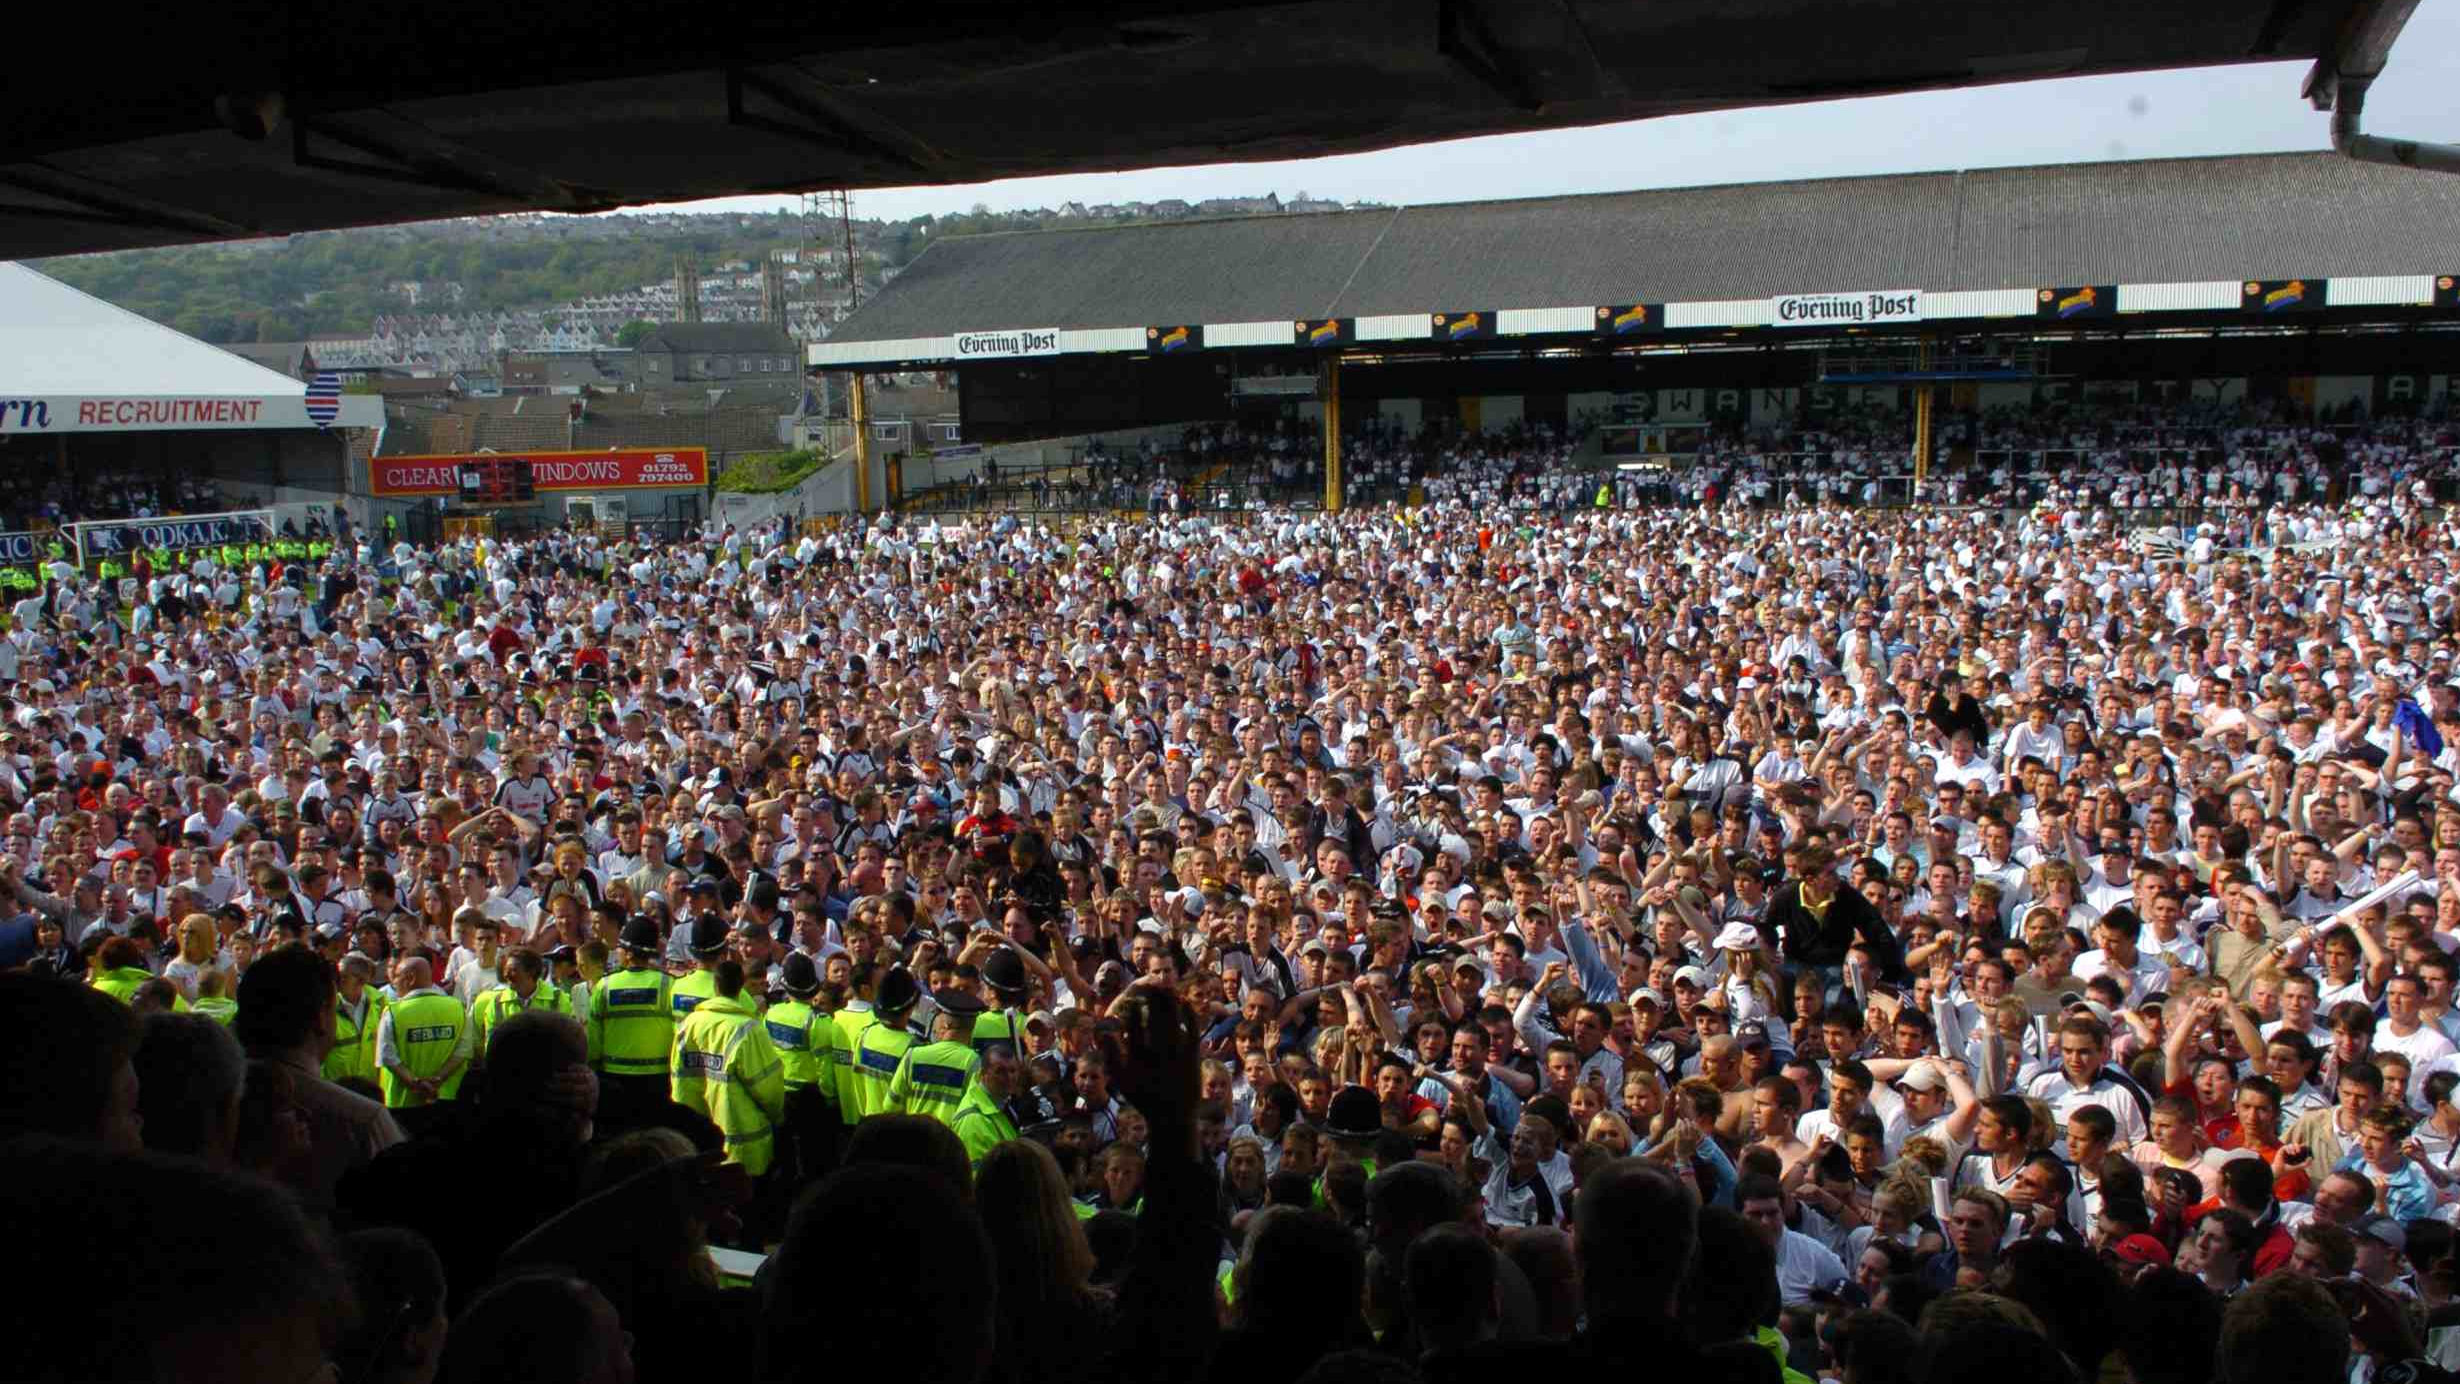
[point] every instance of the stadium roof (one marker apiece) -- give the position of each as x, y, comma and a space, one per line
1713, 255
266, 117
72, 363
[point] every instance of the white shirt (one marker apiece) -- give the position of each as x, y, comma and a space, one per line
2148, 975
2424, 1049
1804, 1264
2065, 1098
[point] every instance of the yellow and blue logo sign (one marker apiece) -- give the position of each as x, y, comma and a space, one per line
2269, 296
1330, 331
1628, 319
1165, 341
1464, 326
2087, 300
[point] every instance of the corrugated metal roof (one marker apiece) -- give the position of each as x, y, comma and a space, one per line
2170, 220
1204, 271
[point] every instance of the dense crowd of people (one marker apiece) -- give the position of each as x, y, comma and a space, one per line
2207, 456
1401, 945
47, 496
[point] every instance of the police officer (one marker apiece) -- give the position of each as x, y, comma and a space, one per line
632, 1027
707, 943
806, 1041
882, 1048
423, 1042
726, 1068
851, 1022
982, 1120
1003, 974
934, 1076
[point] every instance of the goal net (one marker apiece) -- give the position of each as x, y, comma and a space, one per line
230, 536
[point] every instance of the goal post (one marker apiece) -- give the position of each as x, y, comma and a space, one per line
119, 541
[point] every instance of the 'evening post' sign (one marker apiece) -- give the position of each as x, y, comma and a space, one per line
1028, 341
1868, 309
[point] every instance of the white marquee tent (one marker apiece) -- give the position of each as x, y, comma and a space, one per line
72, 363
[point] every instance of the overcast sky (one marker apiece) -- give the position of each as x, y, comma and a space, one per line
2234, 110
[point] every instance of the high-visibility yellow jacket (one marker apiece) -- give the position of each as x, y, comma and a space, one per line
632, 1022
726, 1068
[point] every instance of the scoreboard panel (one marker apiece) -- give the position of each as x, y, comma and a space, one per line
498, 481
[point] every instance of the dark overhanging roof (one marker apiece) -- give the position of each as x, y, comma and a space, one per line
2164, 221
178, 123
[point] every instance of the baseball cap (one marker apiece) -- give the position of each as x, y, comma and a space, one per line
2074, 998
2141, 1249
1752, 1035
1922, 1078
1647, 995
1738, 936
1693, 976
2384, 1231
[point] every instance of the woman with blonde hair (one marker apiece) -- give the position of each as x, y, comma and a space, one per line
1611, 1131
200, 946
2055, 890
1750, 986
1048, 1308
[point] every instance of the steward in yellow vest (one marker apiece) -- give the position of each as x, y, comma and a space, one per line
524, 989
727, 1069
424, 1041
357, 1009
122, 983
982, 1120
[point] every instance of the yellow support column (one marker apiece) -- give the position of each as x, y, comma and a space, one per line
1922, 399
858, 408
1329, 385
1921, 434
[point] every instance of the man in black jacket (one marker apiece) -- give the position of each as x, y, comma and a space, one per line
1952, 710
1817, 919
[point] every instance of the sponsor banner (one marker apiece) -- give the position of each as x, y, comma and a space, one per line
175, 535
1009, 345
639, 469
1631, 319
2276, 297
1322, 333
1168, 341
2446, 292
2084, 300
74, 413
25, 547
1871, 308
1473, 325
